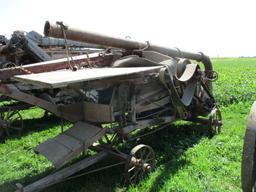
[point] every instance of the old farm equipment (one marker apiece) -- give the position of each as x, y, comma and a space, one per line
128, 87
26, 48
20, 50
248, 168
25, 96
57, 48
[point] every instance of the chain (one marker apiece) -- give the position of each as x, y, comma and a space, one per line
25, 70
88, 60
63, 28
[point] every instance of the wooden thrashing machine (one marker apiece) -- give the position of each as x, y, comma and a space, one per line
109, 95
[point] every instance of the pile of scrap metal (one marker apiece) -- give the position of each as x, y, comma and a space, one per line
25, 48
248, 167
110, 96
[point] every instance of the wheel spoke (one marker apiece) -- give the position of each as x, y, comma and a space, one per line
148, 155
10, 114
131, 169
15, 119
2, 116
140, 174
133, 177
149, 160
142, 153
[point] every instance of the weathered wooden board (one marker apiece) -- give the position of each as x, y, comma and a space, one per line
95, 112
63, 78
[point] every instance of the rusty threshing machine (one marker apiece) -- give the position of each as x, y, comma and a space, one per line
109, 95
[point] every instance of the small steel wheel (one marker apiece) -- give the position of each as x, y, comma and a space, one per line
11, 121
215, 121
248, 167
140, 163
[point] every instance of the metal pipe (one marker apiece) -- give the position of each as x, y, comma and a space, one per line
48, 41
54, 30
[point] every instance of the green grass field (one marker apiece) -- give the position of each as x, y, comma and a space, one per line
187, 159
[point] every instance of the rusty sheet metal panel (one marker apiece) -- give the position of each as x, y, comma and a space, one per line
63, 78
94, 112
69, 144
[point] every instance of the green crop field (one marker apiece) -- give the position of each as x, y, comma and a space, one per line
187, 158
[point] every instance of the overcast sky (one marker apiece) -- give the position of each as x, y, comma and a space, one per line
215, 27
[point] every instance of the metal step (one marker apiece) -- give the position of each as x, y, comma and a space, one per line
64, 147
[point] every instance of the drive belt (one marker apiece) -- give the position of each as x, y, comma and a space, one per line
168, 75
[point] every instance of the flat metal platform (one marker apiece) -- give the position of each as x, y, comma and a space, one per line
63, 78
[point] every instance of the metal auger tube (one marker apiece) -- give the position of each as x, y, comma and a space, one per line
55, 30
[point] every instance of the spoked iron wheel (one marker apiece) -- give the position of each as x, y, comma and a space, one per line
215, 121
248, 167
140, 163
10, 121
